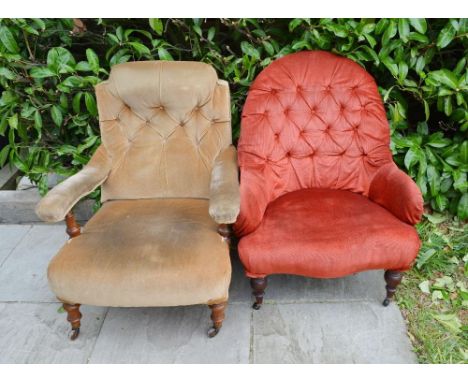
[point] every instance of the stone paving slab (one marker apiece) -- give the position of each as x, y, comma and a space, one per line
356, 332
37, 333
368, 285
303, 320
10, 236
173, 335
23, 274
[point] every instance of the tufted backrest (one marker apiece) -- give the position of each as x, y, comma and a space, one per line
162, 124
314, 119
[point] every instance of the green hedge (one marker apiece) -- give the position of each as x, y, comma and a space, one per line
48, 68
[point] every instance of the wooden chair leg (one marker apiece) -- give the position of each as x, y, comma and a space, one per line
258, 291
393, 279
217, 316
74, 318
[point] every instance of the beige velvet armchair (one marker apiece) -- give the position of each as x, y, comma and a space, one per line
169, 185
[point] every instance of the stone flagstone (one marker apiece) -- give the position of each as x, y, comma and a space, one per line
303, 320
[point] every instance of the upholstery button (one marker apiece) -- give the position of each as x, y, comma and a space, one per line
276, 136
298, 88
273, 91
182, 123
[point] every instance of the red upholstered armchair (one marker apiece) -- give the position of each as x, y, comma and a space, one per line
320, 193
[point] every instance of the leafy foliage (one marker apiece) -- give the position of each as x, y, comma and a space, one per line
48, 69
438, 315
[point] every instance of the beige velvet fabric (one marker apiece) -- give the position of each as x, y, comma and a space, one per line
155, 252
163, 125
224, 189
166, 163
60, 200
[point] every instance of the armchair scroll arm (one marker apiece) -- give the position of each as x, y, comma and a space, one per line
59, 201
224, 187
398, 193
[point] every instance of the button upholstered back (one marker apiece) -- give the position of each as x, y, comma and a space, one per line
314, 120
162, 124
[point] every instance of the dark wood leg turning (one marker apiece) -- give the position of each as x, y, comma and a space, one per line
74, 318
73, 228
217, 316
392, 278
258, 291
225, 231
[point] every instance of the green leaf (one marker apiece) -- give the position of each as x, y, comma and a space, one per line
441, 202
56, 115
41, 72
76, 102
403, 29
414, 36
433, 178
90, 103
8, 40
424, 286
268, 48
4, 155
73, 81
93, 60
419, 24
449, 321
462, 209
211, 34
13, 121
448, 105
156, 25
402, 71
7, 73
436, 218
446, 36
164, 54
424, 257
37, 120
446, 77
464, 152
390, 32
139, 47
60, 60
249, 50
438, 140
411, 157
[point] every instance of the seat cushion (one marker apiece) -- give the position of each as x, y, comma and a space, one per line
155, 252
327, 233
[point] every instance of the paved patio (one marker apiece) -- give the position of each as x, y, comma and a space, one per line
302, 320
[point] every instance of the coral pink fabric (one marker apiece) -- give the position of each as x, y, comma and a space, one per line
314, 120
327, 233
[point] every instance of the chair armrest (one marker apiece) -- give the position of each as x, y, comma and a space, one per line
255, 197
224, 187
398, 193
59, 201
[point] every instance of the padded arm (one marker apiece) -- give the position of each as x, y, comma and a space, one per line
254, 200
59, 201
224, 187
396, 191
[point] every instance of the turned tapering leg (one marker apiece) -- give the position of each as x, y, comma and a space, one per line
258, 291
217, 316
392, 278
74, 318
